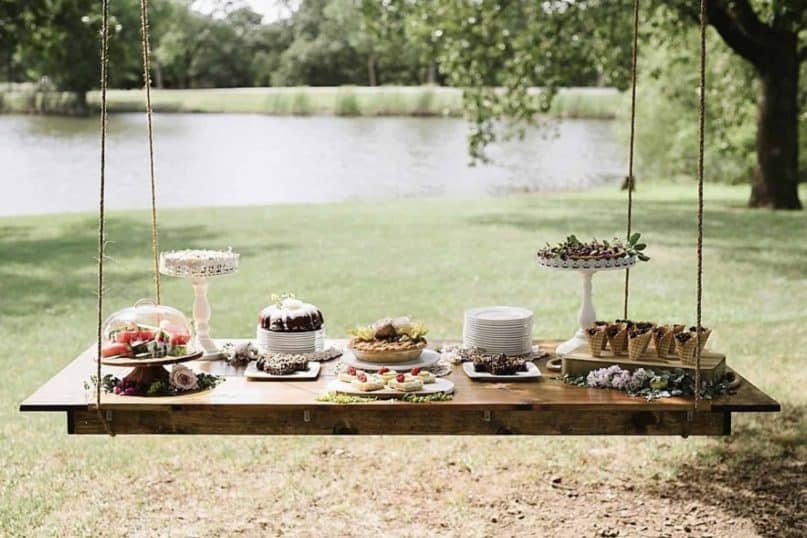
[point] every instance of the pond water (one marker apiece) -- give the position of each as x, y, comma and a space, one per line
50, 164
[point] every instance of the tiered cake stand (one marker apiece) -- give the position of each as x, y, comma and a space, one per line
147, 371
587, 315
199, 266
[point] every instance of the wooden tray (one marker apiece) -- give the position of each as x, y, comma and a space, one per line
253, 373
532, 374
440, 385
580, 362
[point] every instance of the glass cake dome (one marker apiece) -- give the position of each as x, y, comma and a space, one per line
147, 331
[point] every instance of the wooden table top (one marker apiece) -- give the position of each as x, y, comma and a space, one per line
65, 392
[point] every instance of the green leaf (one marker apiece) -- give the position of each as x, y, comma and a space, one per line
634, 238
642, 257
640, 246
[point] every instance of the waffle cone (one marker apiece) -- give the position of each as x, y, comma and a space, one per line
596, 342
686, 350
675, 330
664, 342
704, 337
638, 344
619, 342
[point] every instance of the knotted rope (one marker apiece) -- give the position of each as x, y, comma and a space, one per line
101, 219
701, 135
144, 37
632, 138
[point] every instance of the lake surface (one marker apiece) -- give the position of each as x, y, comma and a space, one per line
50, 164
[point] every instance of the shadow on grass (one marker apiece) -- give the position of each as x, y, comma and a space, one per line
56, 268
760, 473
733, 234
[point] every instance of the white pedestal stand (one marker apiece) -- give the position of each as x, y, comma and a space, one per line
199, 267
201, 319
586, 316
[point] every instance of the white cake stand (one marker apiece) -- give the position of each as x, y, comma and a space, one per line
199, 266
587, 315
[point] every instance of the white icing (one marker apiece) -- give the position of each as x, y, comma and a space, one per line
199, 262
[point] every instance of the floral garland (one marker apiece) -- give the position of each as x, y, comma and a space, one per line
181, 379
648, 384
335, 397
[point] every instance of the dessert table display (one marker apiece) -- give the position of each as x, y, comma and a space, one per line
242, 406
199, 266
619, 378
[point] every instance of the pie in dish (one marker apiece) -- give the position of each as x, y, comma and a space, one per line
389, 340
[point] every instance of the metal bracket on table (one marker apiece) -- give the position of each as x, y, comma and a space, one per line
487, 416
306, 416
108, 416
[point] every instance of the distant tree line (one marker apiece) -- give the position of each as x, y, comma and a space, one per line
322, 43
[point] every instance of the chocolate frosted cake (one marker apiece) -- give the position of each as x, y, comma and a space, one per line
291, 315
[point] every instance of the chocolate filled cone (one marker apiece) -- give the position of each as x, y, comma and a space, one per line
638, 344
596, 341
686, 350
704, 336
619, 341
663, 341
675, 330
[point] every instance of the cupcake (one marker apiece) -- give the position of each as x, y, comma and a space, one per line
617, 335
638, 340
595, 336
662, 339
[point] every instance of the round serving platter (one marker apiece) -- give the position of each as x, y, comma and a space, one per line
440, 385
587, 265
129, 362
427, 358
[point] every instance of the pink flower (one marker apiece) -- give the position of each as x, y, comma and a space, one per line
183, 378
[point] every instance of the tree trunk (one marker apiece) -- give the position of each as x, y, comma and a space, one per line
371, 78
776, 177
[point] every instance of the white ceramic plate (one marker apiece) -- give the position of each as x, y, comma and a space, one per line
532, 373
440, 385
252, 372
427, 358
498, 313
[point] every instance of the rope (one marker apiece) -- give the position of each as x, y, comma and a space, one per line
144, 35
632, 138
101, 219
701, 123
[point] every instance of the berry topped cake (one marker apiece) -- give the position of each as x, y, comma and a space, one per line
291, 315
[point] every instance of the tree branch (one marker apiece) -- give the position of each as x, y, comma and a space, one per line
731, 26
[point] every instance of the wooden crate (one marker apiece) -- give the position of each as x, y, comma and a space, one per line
580, 362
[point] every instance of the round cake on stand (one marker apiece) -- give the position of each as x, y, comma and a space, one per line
199, 266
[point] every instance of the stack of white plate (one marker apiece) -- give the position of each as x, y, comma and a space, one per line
499, 329
290, 342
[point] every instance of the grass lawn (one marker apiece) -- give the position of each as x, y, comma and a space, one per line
602, 103
430, 259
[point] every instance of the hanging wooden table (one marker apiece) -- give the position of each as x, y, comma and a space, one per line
239, 406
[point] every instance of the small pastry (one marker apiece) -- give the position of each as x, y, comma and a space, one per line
368, 383
595, 336
427, 377
406, 383
638, 339
602, 325
617, 335
387, 374
676, 328
349, 375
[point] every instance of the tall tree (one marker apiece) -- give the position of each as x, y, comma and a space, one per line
766, 34
515, 44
